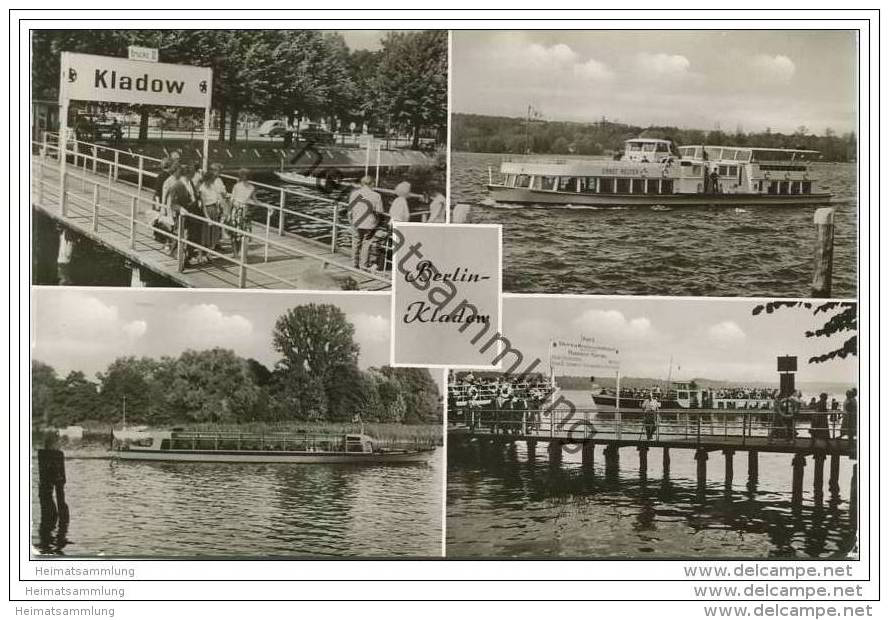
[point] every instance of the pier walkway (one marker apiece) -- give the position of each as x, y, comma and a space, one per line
703, 431
105, 197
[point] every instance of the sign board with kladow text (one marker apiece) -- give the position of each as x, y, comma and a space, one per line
87, 77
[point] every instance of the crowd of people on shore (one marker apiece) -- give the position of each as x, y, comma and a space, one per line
371, 224
180, 188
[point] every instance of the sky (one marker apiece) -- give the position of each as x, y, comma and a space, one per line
690, 79
713, 339
78, 329
363, 39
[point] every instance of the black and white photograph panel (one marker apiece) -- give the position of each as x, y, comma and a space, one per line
170, 424
233, 158
699, 163
659, 429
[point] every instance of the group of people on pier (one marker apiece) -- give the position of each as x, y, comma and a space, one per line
371, 224
826, 421
208, 207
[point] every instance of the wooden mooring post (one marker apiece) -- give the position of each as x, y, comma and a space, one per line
612, 459
532, 450
822, 274
665, 465
818, 476
799, 467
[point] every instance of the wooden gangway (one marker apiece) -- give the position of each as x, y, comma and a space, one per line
104, 196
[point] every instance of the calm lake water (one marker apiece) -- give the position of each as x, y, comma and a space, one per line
501, 505
712, 251
250, 510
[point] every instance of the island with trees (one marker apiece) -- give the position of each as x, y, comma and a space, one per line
316, 383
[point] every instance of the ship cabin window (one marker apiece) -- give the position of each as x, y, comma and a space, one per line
635, 147
606, 186
696, 171
785, 187
795, 187
728, 171
165, 444
522, 180
623, 186
589, 185
545, 183
666, 186
773, 187
638, 186
567, 184
509, 180
663, 147
807, 187
651, 186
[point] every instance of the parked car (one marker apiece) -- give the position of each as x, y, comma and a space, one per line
96, 128
272, 128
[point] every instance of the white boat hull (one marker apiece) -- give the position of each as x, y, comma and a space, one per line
518, 195
219, 456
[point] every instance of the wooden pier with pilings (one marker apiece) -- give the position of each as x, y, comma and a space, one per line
103, 194
702, 432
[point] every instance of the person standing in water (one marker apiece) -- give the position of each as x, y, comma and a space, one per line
51, 485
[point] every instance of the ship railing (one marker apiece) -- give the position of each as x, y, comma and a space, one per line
693, 426
140, 171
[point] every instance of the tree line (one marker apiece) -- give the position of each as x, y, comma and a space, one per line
282, 73
316, 379
496, 134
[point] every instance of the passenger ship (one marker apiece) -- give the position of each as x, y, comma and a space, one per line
682, 396
265, 448
652, 172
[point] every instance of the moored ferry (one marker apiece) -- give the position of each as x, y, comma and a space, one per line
221, 447
654, 172
683, 395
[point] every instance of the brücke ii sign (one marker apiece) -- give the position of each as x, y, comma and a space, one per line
105, 78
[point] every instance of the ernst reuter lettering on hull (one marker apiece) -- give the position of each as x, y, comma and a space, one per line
104, 78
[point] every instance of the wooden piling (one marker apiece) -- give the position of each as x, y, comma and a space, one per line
532, 450
833, 482
822, 274
588, 453
729, 467
666, 463
752, 466
818, 482
612, 458
853, 496
555, 452
701, 457
643, 461
799, 466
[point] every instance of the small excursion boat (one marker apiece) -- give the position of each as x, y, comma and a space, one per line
653, 172
220, 447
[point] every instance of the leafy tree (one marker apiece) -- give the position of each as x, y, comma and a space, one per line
212, 386
44, 384
842, 318
314, 339
413, 79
